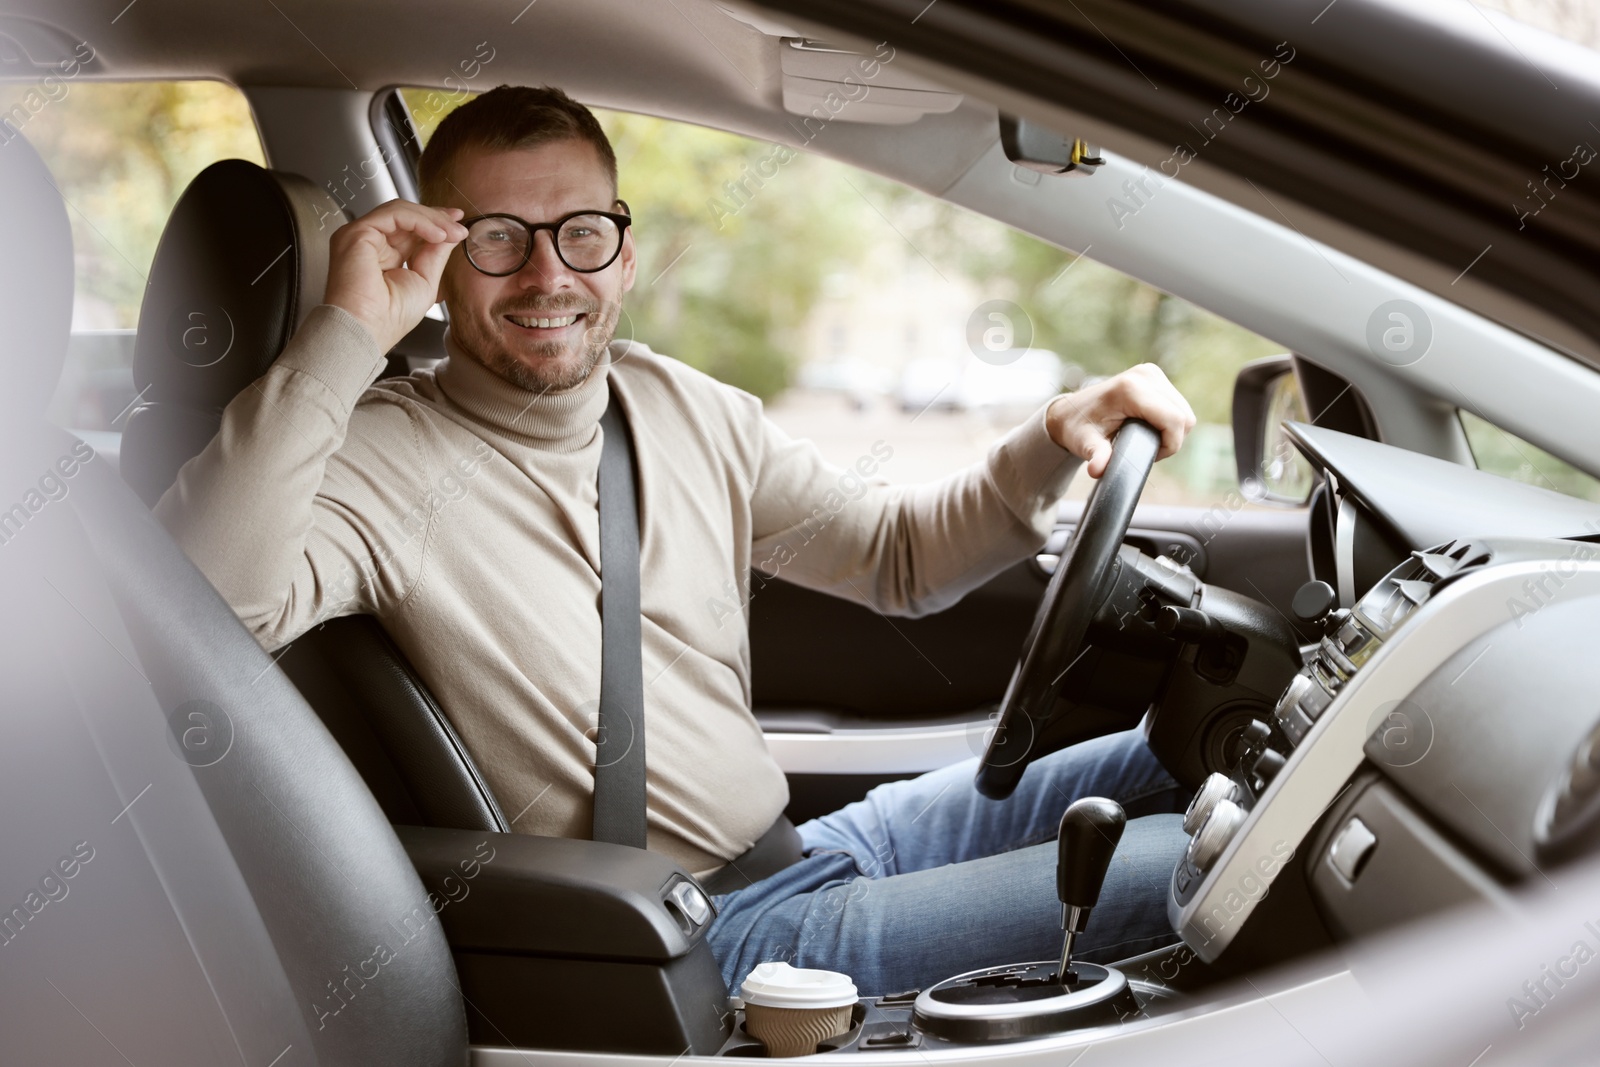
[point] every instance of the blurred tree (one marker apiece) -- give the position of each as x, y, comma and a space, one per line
735, 237
122, 154
1510, 456
1103, 321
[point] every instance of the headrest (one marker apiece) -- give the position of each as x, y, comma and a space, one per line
243, 259
35, 279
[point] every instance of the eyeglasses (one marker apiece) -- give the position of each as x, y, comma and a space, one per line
586, 241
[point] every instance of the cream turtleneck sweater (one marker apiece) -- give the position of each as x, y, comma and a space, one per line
461, 511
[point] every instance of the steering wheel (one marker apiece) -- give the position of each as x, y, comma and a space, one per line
1082, 581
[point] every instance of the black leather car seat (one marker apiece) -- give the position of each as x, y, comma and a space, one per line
243, 259
194, 873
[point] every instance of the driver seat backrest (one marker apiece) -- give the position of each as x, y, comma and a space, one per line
194, 872
242, 261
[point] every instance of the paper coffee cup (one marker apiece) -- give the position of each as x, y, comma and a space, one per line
792, 1010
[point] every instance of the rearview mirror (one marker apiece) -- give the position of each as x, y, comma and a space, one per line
1266, 394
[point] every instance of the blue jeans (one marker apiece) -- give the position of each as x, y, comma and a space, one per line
926, 878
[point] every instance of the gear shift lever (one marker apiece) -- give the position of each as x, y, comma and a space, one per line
1023, 1000
1090, 830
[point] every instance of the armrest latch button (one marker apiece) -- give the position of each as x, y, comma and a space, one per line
1351, 849
693, 903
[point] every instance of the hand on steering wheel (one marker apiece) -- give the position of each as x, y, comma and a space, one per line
1080, 584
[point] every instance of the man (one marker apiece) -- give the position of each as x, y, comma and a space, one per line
459, 506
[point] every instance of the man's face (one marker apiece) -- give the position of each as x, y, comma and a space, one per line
491, 319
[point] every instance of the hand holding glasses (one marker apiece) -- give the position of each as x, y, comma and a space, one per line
586, 241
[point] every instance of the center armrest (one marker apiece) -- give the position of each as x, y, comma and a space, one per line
546, 896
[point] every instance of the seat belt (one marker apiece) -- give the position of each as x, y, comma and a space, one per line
619, 781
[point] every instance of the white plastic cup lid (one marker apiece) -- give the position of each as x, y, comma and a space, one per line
778, 985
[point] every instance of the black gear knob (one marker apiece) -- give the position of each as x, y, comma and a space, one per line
1090, 830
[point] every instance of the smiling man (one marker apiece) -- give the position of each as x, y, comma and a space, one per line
320, 496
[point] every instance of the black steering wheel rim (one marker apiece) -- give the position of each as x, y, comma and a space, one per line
1082, 580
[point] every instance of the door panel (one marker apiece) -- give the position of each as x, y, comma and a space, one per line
849, 698
812, 650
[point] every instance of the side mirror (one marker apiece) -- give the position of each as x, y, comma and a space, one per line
1266, 394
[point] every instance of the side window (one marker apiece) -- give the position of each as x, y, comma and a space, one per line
1509, 456
863, 311
122, 154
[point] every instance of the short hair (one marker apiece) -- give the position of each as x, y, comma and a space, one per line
505, 118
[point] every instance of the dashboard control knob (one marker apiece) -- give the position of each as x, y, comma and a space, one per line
1248, 743
1299, 685
1266, 768
1214, 835
1215, 789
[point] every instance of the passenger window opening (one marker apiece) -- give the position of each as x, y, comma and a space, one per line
122, 153
1500, 452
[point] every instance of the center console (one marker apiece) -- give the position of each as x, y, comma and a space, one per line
1349, 704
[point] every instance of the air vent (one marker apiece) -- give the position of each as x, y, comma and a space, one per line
1415, 580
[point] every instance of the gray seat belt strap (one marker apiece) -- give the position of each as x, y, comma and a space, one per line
619, 780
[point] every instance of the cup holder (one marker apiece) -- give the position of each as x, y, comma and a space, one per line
740, 1043
994, 1004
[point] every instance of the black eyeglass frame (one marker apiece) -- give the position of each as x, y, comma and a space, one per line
623, 221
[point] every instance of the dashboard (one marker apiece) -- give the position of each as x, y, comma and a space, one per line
1441, 742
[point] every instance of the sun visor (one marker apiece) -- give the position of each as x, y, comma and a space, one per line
833, 85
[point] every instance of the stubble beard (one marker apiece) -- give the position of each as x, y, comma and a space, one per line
551, 370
